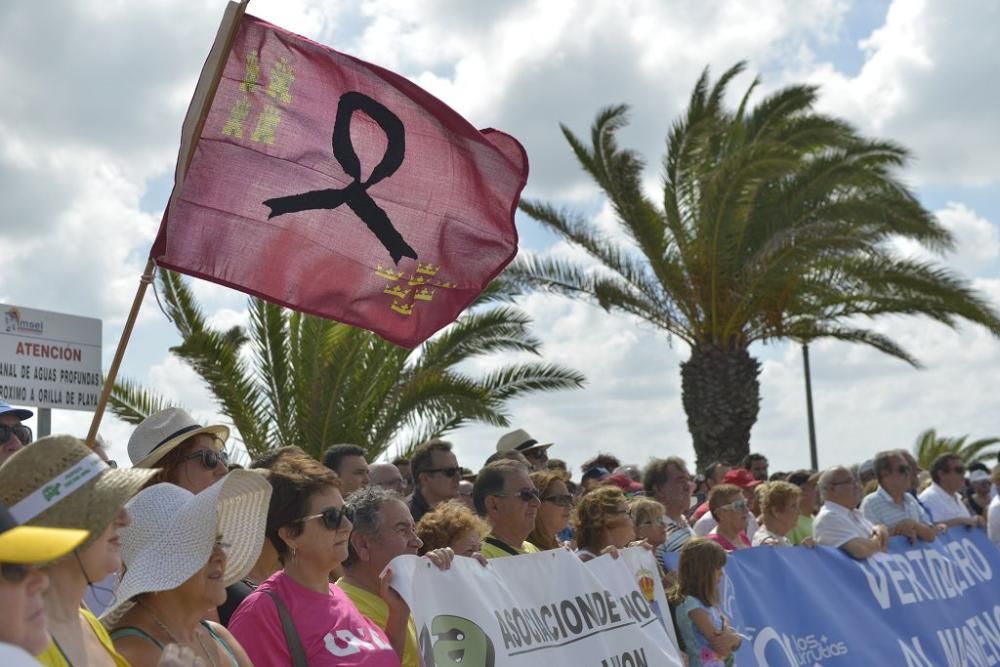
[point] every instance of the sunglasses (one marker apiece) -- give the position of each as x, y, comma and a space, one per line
958, 469
332, 516
738, 505
902, 470
14, 573
524, 495
447, 472
210, 458
20, 431
537, 454
562, 500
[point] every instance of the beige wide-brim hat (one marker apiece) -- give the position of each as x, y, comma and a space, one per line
159, 434
520, 440
58, 482
173, 532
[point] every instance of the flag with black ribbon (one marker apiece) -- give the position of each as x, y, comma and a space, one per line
335, 187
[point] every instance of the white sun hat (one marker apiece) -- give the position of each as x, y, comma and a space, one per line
158, 434
173, 532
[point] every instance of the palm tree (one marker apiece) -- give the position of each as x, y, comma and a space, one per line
774, 224
293, 379
930, 445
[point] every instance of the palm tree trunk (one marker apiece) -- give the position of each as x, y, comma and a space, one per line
721, 395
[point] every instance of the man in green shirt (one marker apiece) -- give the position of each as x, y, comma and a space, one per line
383, 529
505, 495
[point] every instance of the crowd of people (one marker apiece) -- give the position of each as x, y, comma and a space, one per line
185, 559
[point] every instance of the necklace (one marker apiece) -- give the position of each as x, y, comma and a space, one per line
173, 638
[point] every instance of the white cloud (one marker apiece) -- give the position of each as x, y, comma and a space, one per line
925, 83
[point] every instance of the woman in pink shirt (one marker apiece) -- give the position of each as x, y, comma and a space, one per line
297, 617
729, 508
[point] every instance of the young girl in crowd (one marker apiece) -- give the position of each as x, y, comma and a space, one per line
708, 639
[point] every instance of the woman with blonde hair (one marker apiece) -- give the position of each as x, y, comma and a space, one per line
555, 509
648, 516
779, 509
708, 639
602, 523
88, 496
451, 524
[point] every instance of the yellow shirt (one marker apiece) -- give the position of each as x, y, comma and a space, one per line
373, 607
490, 551
53, 657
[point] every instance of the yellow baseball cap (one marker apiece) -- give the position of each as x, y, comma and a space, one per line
31, 544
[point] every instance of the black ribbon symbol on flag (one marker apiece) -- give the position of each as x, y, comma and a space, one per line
356, 194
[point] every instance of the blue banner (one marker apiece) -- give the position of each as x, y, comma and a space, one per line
931, 604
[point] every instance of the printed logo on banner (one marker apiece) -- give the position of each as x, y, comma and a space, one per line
454, 641
13, 323
795, 650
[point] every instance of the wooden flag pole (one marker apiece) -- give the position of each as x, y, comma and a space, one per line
201, 101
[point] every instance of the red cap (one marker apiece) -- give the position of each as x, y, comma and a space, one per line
624, 483
740, 477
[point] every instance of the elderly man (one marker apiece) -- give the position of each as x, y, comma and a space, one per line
839, 524
536, 452
668, 482
387, 476
505, 495
891, 505
13, 434
943, 498
383, 529
436, 475
348, 461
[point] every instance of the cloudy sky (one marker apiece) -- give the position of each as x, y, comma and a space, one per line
97, 91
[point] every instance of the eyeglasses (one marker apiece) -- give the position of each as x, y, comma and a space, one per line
737, 505
332, 516
14, 573
447, 472
20, 431
210, 458
850, 480
524, 495
562, 500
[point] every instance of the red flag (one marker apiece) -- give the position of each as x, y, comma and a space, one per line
332, 186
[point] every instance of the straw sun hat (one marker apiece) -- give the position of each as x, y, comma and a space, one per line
173, 532
57, 482
158, 434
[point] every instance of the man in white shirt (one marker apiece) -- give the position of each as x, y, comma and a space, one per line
891, 505
943, 497
993, 511
839, 524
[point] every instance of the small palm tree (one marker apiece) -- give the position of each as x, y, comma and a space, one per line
930, 445
774, 224
293, 379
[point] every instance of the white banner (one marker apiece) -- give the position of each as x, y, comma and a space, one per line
537, 609
49, 360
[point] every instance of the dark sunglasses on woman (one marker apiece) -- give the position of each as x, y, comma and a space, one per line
19, 431
332, 516
209, 458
